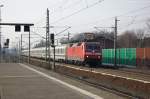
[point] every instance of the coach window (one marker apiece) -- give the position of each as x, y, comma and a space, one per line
52, 50
61, 50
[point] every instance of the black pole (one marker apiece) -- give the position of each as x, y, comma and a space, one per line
0, 37
21, 48
54, 59
47, 38
115, 43
29, 48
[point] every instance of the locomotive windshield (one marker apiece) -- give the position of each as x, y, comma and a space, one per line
92, 47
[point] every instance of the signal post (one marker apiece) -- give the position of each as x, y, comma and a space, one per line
18, 29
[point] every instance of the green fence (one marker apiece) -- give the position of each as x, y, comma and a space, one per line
125, 56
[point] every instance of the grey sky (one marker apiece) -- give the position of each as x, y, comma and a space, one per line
102, 14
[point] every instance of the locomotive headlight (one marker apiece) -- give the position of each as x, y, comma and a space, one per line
87, 56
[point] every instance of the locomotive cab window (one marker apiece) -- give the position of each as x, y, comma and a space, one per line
92, 47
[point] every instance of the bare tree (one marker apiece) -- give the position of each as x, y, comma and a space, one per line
140, 33
128, 39
147, 28
148, 24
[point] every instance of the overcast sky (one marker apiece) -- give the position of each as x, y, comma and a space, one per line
100, 13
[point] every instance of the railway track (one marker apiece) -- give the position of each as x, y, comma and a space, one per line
94, 84
144, 72
118, 72
99, 86
143, 76
115, 74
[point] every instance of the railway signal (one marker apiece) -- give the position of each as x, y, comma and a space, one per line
53, 45
17, 28
7, 41
6, 44
52, 40
26, 28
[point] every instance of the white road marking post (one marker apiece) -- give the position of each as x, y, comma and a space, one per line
94, 96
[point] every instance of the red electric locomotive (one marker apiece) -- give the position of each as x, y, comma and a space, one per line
84, 53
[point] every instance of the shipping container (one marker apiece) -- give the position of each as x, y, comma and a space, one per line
107, 56
139, 56
118, 56
131, 57
104, 56
147, 59
124, 56
143, 57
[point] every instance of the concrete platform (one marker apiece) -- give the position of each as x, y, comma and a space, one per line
19, 81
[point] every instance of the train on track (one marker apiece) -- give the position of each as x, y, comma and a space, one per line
82, 53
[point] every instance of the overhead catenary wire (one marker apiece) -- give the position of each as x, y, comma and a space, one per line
66, 28
40, 18
38, 35
62, 31
120, 15
72, 5
133, 11
135, 22
68, 7
74, 13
